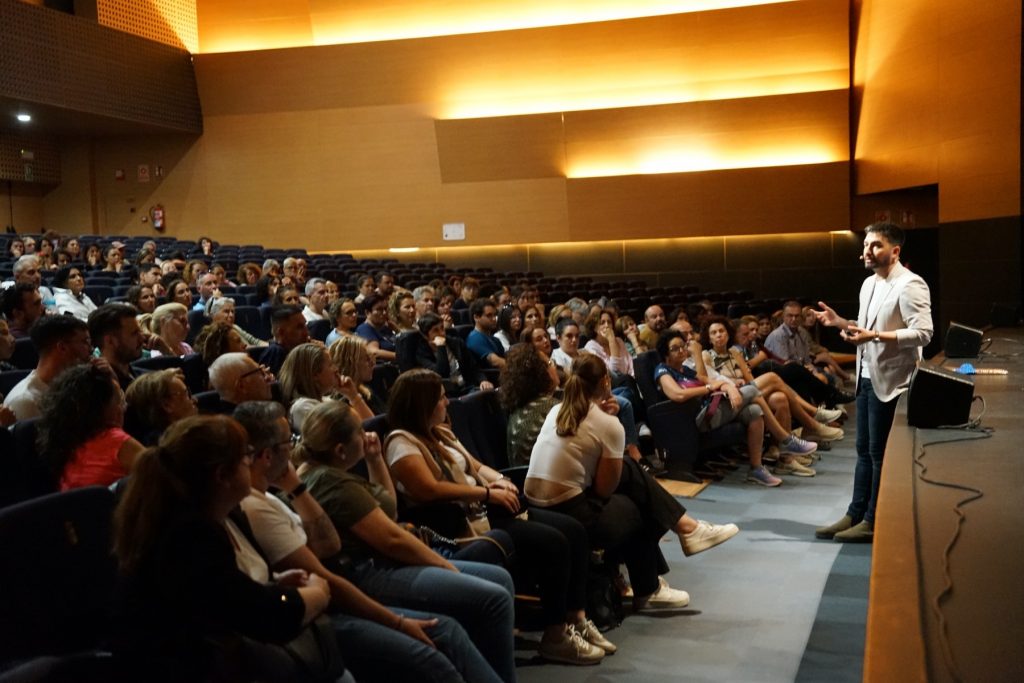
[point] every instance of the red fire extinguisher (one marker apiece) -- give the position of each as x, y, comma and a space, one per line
156, 216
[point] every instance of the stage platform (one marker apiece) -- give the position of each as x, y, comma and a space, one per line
917, 630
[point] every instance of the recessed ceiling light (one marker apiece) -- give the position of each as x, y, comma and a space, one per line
24, 118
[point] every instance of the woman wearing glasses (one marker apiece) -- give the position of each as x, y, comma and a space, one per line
344, 316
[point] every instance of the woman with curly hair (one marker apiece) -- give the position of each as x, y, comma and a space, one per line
402, 312
528, 384
157, 400
81, 433
248, 274
308, 378
352, 358
216, 339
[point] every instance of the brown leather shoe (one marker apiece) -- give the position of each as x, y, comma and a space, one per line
861, 533
831, 530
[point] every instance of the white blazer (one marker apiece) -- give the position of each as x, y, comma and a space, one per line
906, 308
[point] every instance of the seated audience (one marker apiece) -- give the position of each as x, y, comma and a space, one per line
266, 288
222, 310
344, 317
216, 339
142, 297
155, 401
528, 384
365, 286
288, 329
199, 601
430, 465
208, 286
316, 297
402, 312
62, 341
248, 274
116, 334
352, 359
379, 336
510, 324
286, 295
309, 377
607, 346
93, 257
487, 350
178, 291
625, 327
821, 355
238, 378
387, 562
468, 294
448, 356
22, 306
170, 323
423, 300
577, 468
81, 430
69, 293
378, 644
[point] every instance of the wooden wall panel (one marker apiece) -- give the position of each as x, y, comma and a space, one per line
940, 88
743, 201
501, 148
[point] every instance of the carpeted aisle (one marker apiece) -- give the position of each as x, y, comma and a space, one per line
772, 604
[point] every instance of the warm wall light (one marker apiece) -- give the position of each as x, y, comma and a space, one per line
24, 118
403, 250
697, 159
536, 95
364, 21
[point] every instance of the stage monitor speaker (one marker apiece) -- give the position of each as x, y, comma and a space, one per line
962, 341
938, 397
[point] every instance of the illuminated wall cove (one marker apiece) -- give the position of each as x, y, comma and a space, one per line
533, 121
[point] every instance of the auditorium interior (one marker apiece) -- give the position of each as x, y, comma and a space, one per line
725, 149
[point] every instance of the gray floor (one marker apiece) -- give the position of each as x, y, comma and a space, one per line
772, 604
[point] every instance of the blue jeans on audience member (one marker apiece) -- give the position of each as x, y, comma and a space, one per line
874, 421
375, 652
626, 417
479, 596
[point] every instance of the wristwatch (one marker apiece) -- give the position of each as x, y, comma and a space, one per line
877, 338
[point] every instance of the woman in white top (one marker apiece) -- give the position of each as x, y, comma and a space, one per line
510, 324
69, 293
431, 466
608, 347
577, 468
308, 377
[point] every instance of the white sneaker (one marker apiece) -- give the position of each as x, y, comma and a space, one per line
826, 415
707, 535
666, 597
643, 430
792, 467
570, 648
589, 632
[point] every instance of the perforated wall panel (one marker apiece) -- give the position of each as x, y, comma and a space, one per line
58, 59
171, 22
43, 166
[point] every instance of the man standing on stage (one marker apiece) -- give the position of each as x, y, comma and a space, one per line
894, 323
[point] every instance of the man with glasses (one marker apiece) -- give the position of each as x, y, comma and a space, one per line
238, 378
380, 338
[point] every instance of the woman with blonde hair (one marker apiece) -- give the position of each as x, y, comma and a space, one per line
431, 466
386, 561
200, 601
352, 358
308, 377
170, 323
577, 468
157, 400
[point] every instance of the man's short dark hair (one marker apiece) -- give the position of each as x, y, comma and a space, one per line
14, 298
281, 314
426, 322
51, 329
107, 319
259, 418
477, 308
792, 303
892, 233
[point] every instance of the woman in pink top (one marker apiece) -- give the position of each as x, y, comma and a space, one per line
80, 431
608, 347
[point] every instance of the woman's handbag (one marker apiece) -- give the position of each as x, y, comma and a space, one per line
316, 652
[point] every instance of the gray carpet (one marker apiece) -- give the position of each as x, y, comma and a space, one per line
772, 604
